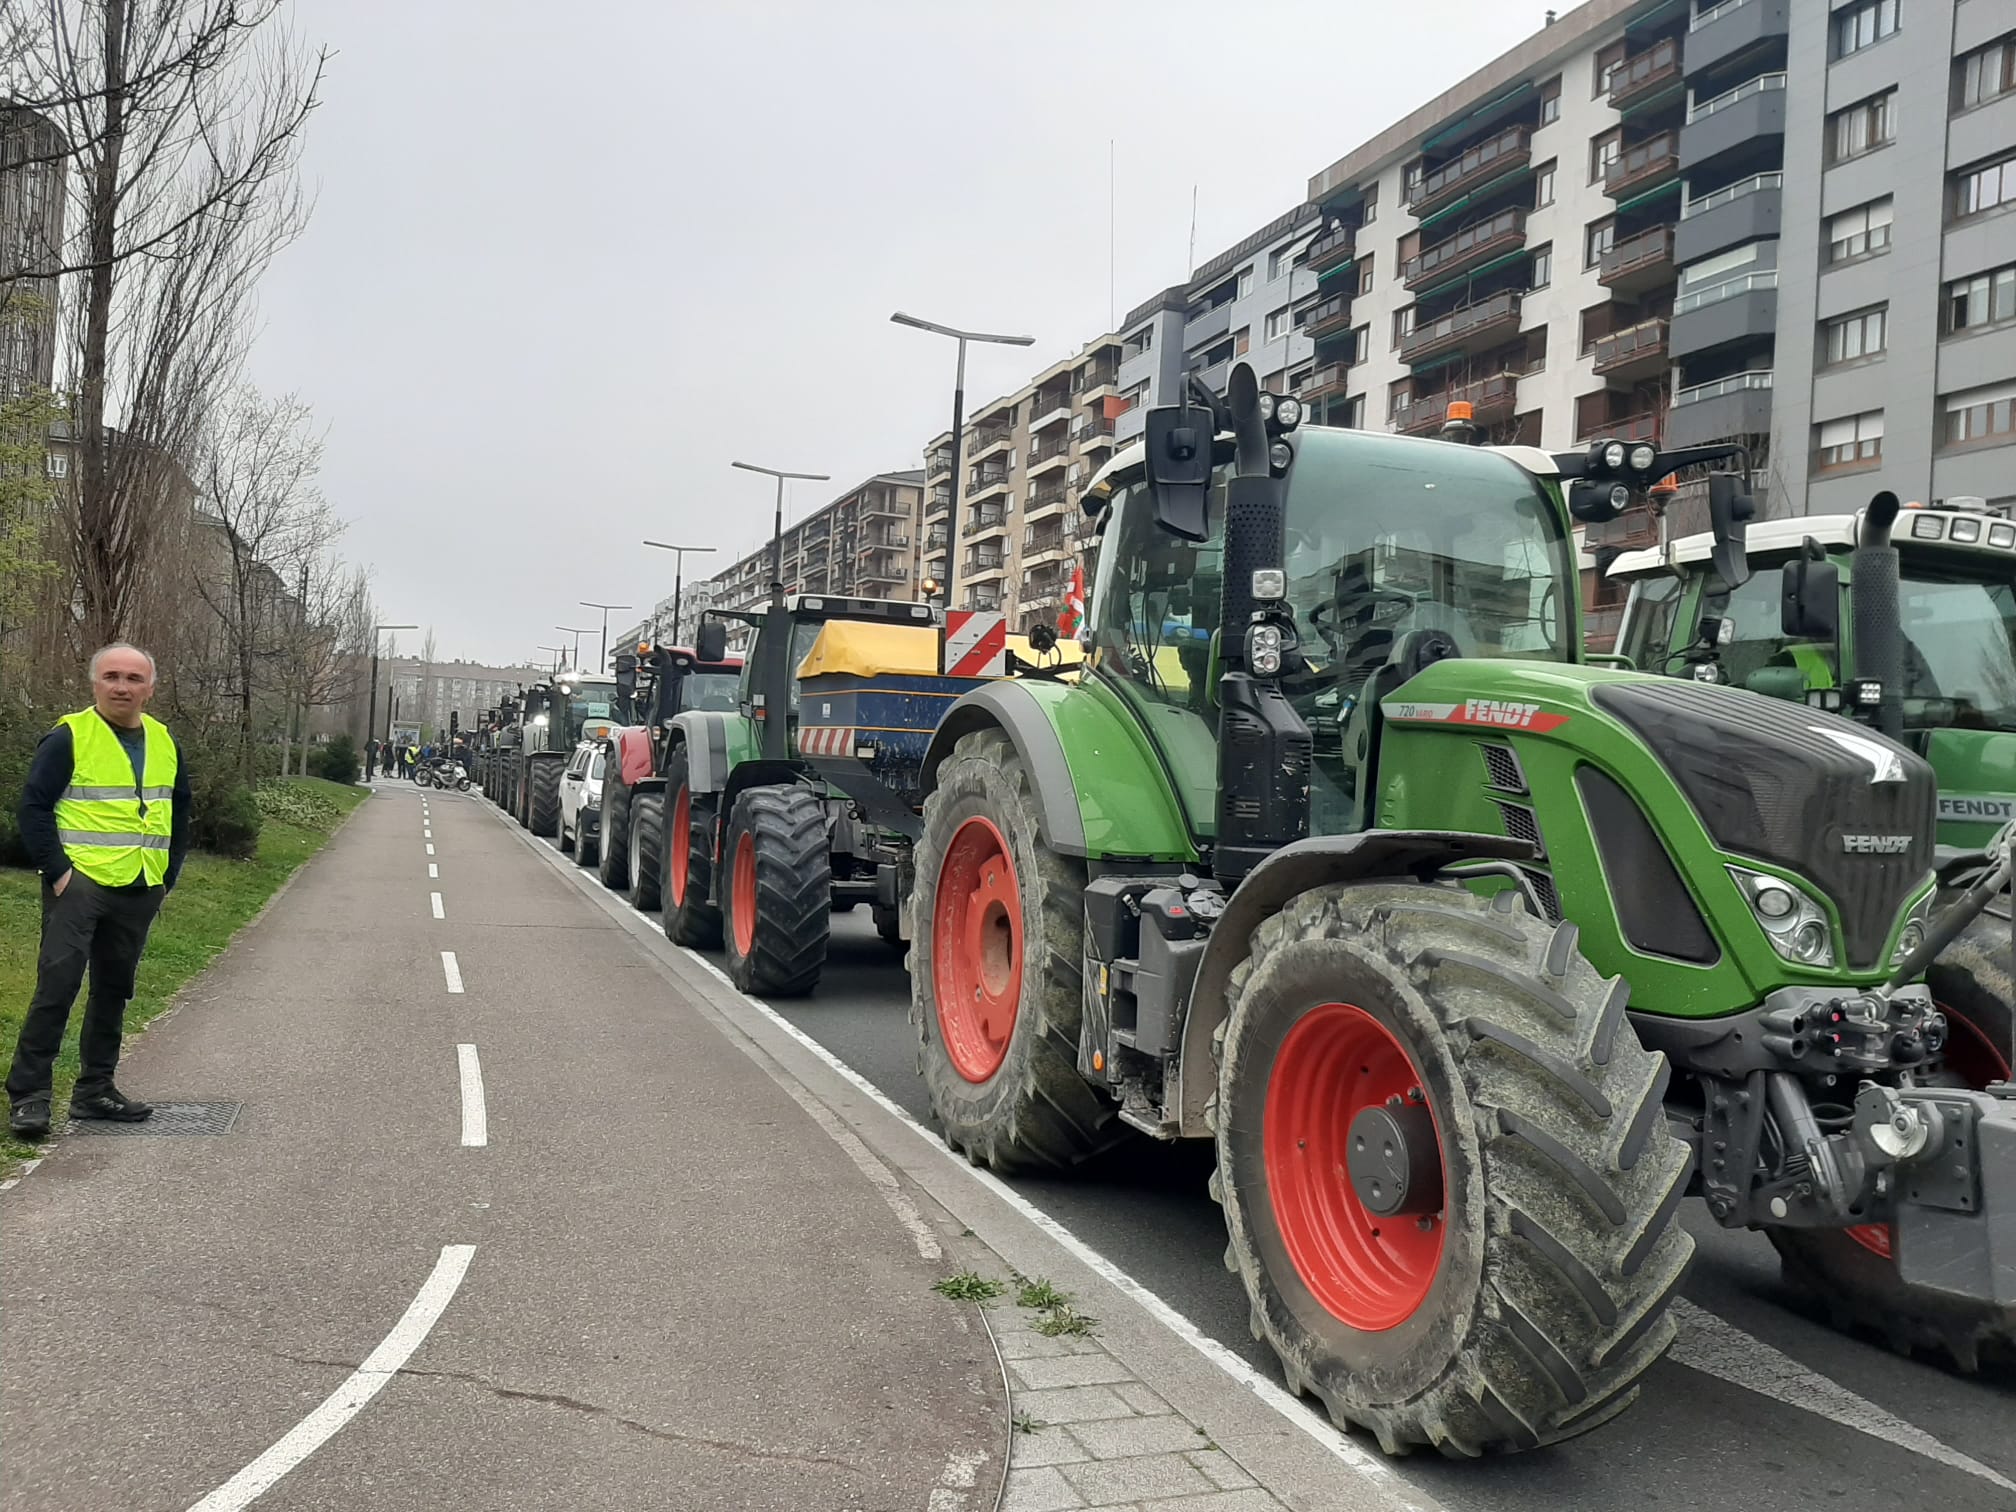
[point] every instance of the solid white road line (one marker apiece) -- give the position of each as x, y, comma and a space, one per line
433, 870
475, 1113
430, 850
1715, 1347
451, 970
434, 899
349, 1399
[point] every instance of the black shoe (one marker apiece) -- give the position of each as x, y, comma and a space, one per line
112, 1104
30, 1118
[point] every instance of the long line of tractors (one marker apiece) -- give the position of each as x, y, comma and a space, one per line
1472, 954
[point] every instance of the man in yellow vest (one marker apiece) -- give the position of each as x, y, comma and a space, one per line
105, 815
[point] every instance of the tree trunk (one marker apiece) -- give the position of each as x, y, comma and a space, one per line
104, 614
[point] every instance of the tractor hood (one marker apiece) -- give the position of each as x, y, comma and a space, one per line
1649, 799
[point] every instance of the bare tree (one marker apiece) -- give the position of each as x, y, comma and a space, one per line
327, 661
255, 475
183, 121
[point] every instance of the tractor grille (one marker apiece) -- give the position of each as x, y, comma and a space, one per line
1543, 889
1502, 769
1521, 824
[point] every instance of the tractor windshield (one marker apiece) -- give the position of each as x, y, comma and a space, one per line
593, 698
709, 690
1959, 647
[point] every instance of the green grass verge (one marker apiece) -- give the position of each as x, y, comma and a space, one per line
212, 901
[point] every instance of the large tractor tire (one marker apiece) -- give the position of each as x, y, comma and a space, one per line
779, 896
613, 862
1445, 1167
1851, 1270
996, 971
647, 839
542, 801
690, 917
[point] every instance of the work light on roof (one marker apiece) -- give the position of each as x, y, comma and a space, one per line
1614, 455
1643, 457
1288, 413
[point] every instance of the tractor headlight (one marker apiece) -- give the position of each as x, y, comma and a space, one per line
1279, 456
1912, 935
1263, 649
1643, 457
1614, 456
1288, 413
1795, 925
1266, 406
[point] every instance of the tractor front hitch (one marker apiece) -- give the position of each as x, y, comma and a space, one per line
1954, 1224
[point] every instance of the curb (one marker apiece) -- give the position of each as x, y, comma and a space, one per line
1273, 1450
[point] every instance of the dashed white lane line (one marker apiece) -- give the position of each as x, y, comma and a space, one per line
433, 871
1714, 1347
475, 1112
451, 971
349, 1399
430, 850
434, 901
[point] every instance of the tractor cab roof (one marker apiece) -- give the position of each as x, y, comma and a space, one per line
818, 607
1980, 536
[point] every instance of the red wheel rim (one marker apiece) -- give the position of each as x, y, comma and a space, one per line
743, 905
1977, 1061
1369, 1272
682, 844
976, 949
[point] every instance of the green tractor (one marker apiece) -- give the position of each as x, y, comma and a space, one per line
1789, 629
542, 727
1340, 855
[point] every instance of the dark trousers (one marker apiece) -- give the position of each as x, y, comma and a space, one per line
104, 929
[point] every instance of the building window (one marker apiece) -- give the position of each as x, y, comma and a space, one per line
1142, 340
1361, 343
1550, 101
1371, 205
1863, 25
1855, 336
1984, 187
59, 465
1980, 414
1606, 61
1862, 127
1543, 267
1279, 323
1859, 232
1403, 324
1365, 276
1604, 151
1279, 262
1301, 379
1543, 185
1985, 74
1245, 281
1984, 299
1601, 238
1843, 443
1353, 417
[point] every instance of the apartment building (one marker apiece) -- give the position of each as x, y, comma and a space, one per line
423, 694
1024, 459
34, 159
864, 544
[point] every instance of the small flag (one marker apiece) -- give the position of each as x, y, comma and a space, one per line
1073, 614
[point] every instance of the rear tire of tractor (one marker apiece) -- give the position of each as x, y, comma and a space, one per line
1527, 1295
779, 892
1001, 1067
1852, 1273
647, 836
613, 858
690, 917
542, 803
889, 925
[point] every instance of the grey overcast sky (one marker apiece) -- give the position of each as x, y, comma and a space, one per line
569, 261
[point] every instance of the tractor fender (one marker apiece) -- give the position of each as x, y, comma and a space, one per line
1011, 709
634, 755
1288, 873
704, 734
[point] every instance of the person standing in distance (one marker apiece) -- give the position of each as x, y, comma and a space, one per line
105, 815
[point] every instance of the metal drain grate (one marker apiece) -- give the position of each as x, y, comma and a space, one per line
169, 1118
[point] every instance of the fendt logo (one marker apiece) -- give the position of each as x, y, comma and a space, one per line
1876, 845
1498, 713
1492, 711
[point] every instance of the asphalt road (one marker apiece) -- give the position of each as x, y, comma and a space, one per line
1696, 1438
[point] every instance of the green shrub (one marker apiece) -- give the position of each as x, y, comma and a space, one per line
337, 761
293, 801
227, 818
18, 739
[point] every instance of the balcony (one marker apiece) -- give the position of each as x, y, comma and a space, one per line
938, 460
1044, 456
1490, 399
1332, 249
1724, 314
986, 480
1044, 548
1653, 73
986, 519
1748, 210
1043, 500
938, 500
1492, 158
981, 562
1326, 382
1649, 164
1207, 326
1095, 430
1732, 29
1644, 261
1091, 383
884, 506
1734, 406
1469, 248
1622, 428
1638, 351
1472, 327
936, 537
1742, 121
986, 440
1327, 318
883, 543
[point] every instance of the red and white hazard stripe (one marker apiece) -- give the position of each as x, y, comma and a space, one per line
976, 643
826, 740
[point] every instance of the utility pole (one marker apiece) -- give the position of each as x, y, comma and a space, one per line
678, 576
577, 634
958, 425
603, 665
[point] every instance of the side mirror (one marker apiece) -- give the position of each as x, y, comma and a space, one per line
1177, 440
1809, 598
1729, 514
711, 641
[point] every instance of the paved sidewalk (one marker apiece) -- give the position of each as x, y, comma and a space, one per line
679, 1290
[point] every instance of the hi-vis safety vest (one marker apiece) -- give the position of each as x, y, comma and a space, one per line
114, 830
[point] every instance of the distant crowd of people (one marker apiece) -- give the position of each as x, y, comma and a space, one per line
396, 760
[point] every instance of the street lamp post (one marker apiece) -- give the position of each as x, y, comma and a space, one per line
958, 425
678, 575
371, 718
775, 642
558, 652
577, 634
603, 665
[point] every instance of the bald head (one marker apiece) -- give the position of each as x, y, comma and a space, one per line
122, 680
